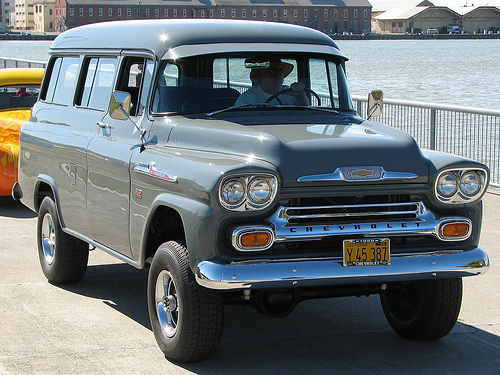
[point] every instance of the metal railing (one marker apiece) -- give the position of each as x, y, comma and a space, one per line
467, 131
7, 62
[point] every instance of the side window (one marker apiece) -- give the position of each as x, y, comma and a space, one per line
65, 87
103, 83
146, 84
323, 87
91, 66
99, 75
166, 94
61, 86
47, 93
135, 78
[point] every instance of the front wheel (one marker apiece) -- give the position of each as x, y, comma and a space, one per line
423, 310
187, 319
63, 257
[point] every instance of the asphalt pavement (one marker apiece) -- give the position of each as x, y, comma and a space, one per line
101, 325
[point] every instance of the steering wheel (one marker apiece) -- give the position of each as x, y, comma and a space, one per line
289, 89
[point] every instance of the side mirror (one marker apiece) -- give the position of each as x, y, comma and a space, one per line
375, 104
119, 105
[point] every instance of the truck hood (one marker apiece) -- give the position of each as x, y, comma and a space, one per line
302, 150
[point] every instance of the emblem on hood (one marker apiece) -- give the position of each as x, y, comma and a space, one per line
359, 173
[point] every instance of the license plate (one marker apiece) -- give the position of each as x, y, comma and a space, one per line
367, 252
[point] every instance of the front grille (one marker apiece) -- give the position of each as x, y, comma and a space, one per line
351, 214
362, 209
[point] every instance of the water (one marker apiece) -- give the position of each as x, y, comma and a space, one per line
459, 72
25, 49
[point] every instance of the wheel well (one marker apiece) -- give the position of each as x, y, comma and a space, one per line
166, 225
43, 190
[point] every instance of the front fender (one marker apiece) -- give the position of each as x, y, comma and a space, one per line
197, 220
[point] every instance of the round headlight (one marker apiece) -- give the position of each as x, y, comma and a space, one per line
470, 183
259, 190
447, 185
233, 191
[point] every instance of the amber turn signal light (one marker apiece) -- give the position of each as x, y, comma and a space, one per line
255, 239
455, 230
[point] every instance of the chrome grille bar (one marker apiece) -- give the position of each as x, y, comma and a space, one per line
294, 215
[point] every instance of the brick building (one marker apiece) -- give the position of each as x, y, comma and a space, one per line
331, 16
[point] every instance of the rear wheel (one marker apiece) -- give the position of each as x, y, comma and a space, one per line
63, 257
187, 319
423, 310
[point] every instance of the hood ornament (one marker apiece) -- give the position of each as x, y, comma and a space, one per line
358, 173
361, 173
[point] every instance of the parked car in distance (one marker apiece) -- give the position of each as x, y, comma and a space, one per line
228, 158
19, 89
432, 31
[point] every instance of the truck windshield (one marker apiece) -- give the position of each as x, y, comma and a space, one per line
213, 82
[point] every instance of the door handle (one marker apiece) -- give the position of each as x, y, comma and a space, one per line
103, 125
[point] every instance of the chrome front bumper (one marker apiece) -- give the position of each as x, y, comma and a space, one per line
295, 273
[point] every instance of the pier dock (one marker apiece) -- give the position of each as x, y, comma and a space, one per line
101, 324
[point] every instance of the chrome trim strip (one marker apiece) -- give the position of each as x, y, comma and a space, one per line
151, 170
288, 273
356, 210
346, 174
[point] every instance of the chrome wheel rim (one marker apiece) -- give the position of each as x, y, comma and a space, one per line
167, 303
48, 238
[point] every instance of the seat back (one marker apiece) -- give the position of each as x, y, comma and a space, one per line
187, 98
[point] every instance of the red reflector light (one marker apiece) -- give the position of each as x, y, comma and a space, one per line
255, 239
455, 230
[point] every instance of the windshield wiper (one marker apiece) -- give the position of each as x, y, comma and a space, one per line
246, 106
322, 109
243, 106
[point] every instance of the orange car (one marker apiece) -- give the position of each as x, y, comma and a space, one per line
19, 89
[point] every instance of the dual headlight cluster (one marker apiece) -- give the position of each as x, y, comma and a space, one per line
456, 186
248, 192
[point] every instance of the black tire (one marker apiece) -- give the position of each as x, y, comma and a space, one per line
423, 310
187, 319
63, 257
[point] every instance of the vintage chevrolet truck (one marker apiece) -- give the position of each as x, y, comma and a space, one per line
228, 158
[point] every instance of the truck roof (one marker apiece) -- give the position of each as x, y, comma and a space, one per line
161, 36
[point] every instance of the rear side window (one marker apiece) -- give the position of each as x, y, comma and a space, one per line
103, 83
99, 75
63, 77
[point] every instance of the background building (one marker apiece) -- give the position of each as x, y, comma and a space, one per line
415, 16
25, 16
45, 19
331, 16
7, 9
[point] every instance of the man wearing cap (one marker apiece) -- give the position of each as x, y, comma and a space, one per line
267, 82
